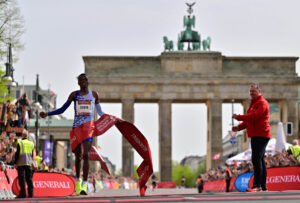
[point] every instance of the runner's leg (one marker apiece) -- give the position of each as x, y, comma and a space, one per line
86, 147
78, 160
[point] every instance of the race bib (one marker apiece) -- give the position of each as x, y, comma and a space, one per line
84, 108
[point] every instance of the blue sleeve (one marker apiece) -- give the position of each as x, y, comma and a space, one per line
99, 110
60, 110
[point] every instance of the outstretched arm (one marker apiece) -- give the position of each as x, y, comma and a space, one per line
97, 104
61, 109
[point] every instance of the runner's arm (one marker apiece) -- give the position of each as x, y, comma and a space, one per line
97, 104
61, 109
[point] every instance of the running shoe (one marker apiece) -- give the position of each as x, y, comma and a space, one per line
84, 190
254, 189
78, 187
264, 188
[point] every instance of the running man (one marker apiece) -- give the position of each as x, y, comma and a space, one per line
85, 101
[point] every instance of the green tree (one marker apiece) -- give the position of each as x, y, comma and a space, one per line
4, 93
11, 27
178, 171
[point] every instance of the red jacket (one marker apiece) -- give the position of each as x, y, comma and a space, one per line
256, 119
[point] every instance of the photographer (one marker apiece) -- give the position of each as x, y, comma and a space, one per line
22, 110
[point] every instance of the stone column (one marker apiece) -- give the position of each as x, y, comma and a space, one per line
245, 140
214, 133
127, 152
165, 140
292, 116
283, 109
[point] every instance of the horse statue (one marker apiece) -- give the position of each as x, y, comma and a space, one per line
168, 44
196, 45
206, 44
180, 45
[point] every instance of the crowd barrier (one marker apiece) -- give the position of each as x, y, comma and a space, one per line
218, 185
166, 185
5, 187
278, 179
284, 178
49, 185
111, 184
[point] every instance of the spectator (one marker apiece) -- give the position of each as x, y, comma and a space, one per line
200, 183
94, 183
154, 184
228, 177
24, 158
22, 104
183, 181
294, 152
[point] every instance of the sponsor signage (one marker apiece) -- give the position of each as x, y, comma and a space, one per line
219, 185
242, 181
49, 185
284, 178
48, 151
12, 174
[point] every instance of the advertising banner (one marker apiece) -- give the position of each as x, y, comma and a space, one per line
284, 178
11, 174
166, 185
49, 185
219, 185
48, 152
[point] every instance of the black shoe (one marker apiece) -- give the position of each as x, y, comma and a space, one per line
264, 188
21, 196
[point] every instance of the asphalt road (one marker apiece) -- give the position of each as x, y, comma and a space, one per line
172, 195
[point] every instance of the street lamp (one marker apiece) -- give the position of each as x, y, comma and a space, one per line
37, 107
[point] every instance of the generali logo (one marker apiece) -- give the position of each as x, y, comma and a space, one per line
284, 179
49, 185
52, 184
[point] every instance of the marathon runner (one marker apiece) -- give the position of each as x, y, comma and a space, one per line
85, 101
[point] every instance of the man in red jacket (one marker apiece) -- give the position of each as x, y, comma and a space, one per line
256, 121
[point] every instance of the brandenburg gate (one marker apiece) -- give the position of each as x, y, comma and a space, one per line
192, 77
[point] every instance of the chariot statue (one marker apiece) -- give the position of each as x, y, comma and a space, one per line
189, 36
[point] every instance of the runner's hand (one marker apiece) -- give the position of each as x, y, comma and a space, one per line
43, 114
119, 122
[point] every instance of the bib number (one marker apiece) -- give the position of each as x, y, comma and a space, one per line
84, 108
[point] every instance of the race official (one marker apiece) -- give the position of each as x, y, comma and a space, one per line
256, 121
294, 150
228, 177
23, 161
